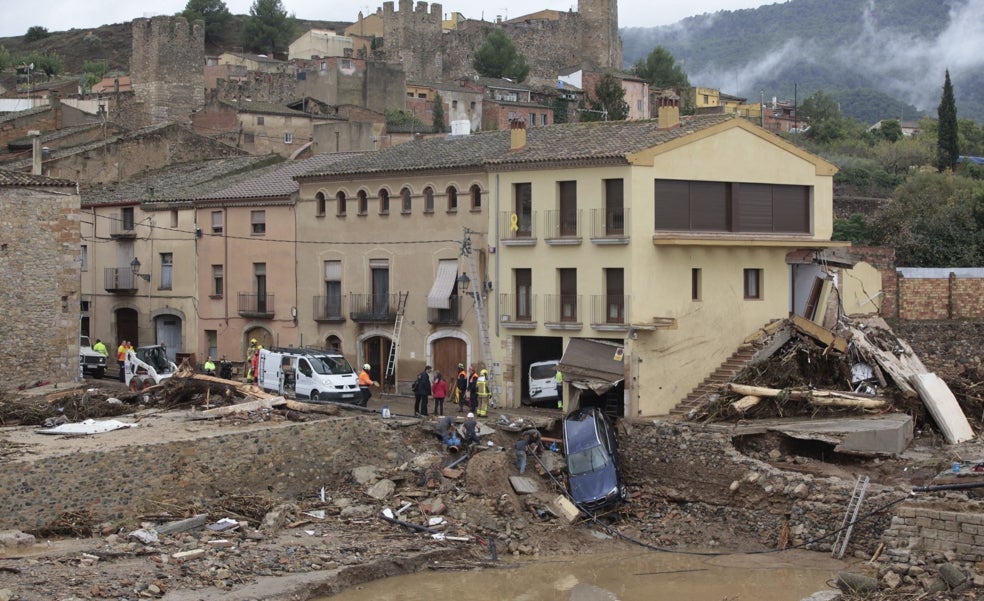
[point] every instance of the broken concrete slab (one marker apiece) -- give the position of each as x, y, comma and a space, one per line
523, 485
943, 406
382, 489
183, 525
887, 435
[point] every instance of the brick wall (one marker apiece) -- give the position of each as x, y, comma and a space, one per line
921, 530
940, 298
39, 285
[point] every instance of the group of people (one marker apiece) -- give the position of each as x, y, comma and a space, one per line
448, 433
253, 360
471, 389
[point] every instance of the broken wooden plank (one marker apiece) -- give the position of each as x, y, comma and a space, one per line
820, 333
746, 402
828, 398
311, 407
898, 368
943, 406
242, 407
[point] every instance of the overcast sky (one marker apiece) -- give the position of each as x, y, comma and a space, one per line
62, 15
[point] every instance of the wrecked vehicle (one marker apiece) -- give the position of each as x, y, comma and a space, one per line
90, 361
594, 473
543, 382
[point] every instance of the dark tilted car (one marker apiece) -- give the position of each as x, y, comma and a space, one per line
594, 474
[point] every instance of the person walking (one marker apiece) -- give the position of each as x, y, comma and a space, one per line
522, 443
484, 393
421, 390
461, 388
121, 359
365, 381
440, 391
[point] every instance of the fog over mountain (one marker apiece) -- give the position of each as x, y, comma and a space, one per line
880, 59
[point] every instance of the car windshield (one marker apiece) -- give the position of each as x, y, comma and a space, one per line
586, 461
331, 365
543, 372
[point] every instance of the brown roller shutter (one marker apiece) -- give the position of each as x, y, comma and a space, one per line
672, 204
791, 208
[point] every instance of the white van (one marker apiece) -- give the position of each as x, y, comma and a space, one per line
308, 373
543, 382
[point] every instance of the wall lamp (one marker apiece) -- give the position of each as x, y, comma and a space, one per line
464, 283
135, 268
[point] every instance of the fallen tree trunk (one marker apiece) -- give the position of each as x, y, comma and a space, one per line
746, 402
823, 398
311, 407
241, 407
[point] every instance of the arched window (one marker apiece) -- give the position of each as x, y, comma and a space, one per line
428, 199
363, 203
476, 198
452, 199
333, 343
407, 200
340, 197
320, 204
384, 202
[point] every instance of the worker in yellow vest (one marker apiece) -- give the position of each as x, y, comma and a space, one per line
484, 393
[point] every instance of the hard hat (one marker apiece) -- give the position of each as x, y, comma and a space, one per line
461, 366
471, 415
485, 372
366, 366
252, 340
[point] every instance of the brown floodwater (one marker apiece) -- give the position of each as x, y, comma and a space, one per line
641, 576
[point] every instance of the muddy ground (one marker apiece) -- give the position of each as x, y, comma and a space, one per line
284, 549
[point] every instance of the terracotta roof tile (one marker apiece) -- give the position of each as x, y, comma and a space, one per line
16, 179
279, 182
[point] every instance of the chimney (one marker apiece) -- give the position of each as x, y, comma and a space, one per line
669, 112
517, 134
35, 136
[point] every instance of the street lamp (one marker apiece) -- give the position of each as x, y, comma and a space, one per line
135, 268
463, 282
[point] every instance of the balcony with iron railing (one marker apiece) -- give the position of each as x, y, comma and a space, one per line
257, 306
562, 311
120, 280
610, 312
329, 309
446, 317
517, 311
122, 228
563, 227
516, 229
373, 308
610, 226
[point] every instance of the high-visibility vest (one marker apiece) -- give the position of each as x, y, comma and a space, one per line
482, 386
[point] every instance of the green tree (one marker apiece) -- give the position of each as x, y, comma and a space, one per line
48, 63
498, 57
4, 58
891, 130
35, 33
439, 122
215, 14
659, 68
971, 138
947, 141
854, 229
608, 101
267, 29
92, 73
824, 115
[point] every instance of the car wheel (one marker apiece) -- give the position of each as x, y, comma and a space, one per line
99, 373
315, 396
623, 493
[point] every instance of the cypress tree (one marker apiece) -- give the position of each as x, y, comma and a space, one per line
947, 145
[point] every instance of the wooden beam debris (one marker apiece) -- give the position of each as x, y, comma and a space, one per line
825, 398
820, 333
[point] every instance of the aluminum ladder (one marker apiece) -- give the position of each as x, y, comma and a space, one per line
481, 315
850, 516
397, 329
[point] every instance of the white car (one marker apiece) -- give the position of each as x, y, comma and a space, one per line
90, 361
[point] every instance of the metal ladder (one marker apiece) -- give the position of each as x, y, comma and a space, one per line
850, 516
397, 329
480, 315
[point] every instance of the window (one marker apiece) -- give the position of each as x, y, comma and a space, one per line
524, 294
614, 208
523, 198
167, 266
695, 291
333, 343
454, 104
84, 257
473, 105
363, 203
512, 115
406, 201
732, 207
218, 283
409, 94
259, 119
476, 198
428, 199
260, 281
324, 65
340, 198
384, 202
639, 105
568, 209
320, 203
422, 95
212, 342
174, 219
452, 199
614, 295
257, 220
753, 283
333, 289
126, 217
216, 222
532, 119
288, 138
568, 294
248, 138
543, 119
346, 63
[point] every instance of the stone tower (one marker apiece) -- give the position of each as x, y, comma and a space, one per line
167, 68
412, 35
600, 42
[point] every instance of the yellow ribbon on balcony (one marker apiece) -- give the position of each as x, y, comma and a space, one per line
514, 222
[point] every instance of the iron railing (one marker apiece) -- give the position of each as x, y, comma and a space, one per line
120, 280
256, 305
373, 307
609, 310
563, 308
446, 317
609, 223
329, 308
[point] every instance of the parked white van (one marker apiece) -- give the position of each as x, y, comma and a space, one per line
308, 373
543, 382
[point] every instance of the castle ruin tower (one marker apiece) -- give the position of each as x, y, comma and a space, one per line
412, 35
600, 42
167, 68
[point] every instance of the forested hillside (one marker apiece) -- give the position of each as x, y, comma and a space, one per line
879, 59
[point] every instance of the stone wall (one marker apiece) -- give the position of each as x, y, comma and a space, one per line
39, 284
919, 531
289, 460
167, 67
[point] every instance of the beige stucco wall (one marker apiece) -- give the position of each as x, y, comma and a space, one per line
860, 288
321, 43
268, 137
